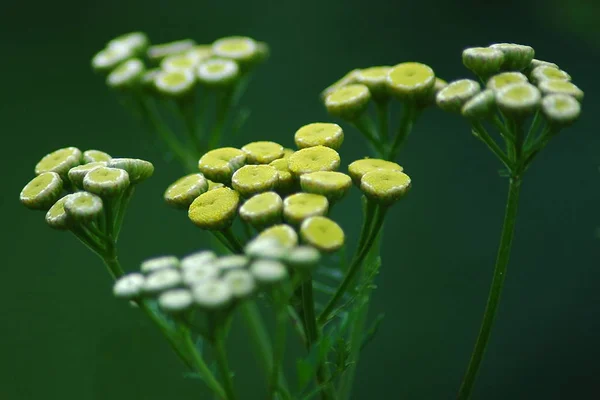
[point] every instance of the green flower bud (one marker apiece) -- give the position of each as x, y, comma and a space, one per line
162, 280
253, 179
137, 42
312, 159
537, 63
138, 170
262, 152
299, 206
319, 134
218, 72
268, 248
175, 83
268, 272
411, 81
159, 51
499, 81
480, 106
159, 263
212, 295
385, 186
359, 168
303, 257
105, 181
348, 102
42, 191
348, 79
179, 62
561, 109
83, 207
241, 283
56, 216
215, 209
322, 233
126, 75
76, 174
109, 58
517, 57
544, 72
90, 156
262, 210
198, 273
518, 99
483, 61
230, 263
205, 257
200, 53
175, 301
129, 287
561, 87
59, 161
333, 185
454, 96
286, 180
375, 79
285, 235
184, 191
243, 50
219, 165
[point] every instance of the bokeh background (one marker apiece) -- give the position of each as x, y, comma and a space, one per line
63, 336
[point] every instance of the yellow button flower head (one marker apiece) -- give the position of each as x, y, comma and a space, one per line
518, 99
219, 165
90, 156
126, 75
375, 79
483, 61
360, 167
287, 152
284, 234
312, 159
516, 56
348, 102
105, 181
175, 83
56, 216
242, 49
347, 79
179, 62
159, 51
480, 106
285, 180
83, 207
76, 174
109, 58
262, 210
184, 191
331, 184
241, 283
545, 72
411, 81
456, 94
252, 179
385, 186
499, 81
215, 209
214, 185
561, 87
262, 152
138, 170
322, 233
59, 161
42, 191
561, 109
319, 134
299, 206
212, 295
218, 72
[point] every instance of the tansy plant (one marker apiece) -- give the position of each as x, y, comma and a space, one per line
281, 254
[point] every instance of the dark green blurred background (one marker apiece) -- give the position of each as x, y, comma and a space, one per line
64, 337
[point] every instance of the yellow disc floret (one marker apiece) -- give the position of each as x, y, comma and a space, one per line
385, 186
215, 209
360, 167
219, 165
331, 184
322, 233
253, 179
262, 152
262, 210
184, 191
319, 134
312, 159
299, 206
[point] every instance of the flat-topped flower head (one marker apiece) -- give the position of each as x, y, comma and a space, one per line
183, 191
215, 209
331, 184
129, 287
159, 263
179, 62
42, 191
322, 233
212, 294
313, 159
126, 75
537, 63
241, 283
231, 262
503, 79
545, 72
105, 181
109, 58
136, 41
375, 79
348, 102
262, 152
203, 257
83, 207
359, 168
214, 185
175, 83
347, 79
483, 61
56, 217
560, 109
198, 273
268, 248
90, 156
518, 99
284, 234
299, 206
262, 210
200, 52
560, 87
517, 57
218, 72
268, 272
59, 161
76, 174
161, 280
138, 170
242, 49
385, 186
159, 51
411, 81
175, 301
285, 180
219, 164
454, 96
303, 257
319, 134
253, 179
481, 105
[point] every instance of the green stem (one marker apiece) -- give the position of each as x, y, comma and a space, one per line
223, 106
259, 334
535, 124
485, 137
202, 369
121, 210
382, 107
219, 236
368, 219
278, 344
409, 116
187, 111
232, 240
365, 126
222, 364
491, 308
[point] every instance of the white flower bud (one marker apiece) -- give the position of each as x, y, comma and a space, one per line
105, 181
159, 263
270, 248
232, 262
198, 273
456, 94
198, 258
126, 75
268, 272
110, 57
284, 234
137, 42
175, 300
517, 57
518, 99
561, 109
161, 280
239, 48
83, 206
179, 62
42, 191
175, 83
129, 286
218, 72
159, 51
212, 295
241, 283
303, 257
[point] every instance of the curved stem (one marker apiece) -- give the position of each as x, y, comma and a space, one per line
382, 107
278, 345
485, 137
201, 368
233, 241
409, 116
222, 364
365, 126
502, 259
